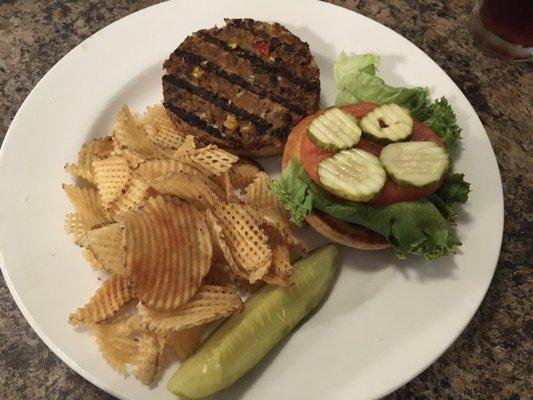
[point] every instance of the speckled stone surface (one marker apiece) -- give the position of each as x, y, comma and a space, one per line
490, 360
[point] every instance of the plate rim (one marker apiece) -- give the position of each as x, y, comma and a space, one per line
102, 386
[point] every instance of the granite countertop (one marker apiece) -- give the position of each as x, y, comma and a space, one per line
490, 360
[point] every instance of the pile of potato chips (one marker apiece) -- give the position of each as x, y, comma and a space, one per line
183, 232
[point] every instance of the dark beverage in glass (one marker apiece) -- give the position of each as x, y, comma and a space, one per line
504, 27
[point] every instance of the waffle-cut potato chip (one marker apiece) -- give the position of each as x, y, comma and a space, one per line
162, 138
257, 195
129, 311
107, 246
86, 201
134, 196
100, 147
160, 129
280, 271
116, 344
203, 193
224, 181
148, 357
209, 304
106, 301
128, 135
247, 241
111, 176
155, 113
243, 172
156, 168
221, 250
133, 157
279, 230
79, 172
213, 160
75, 225
152, 170
220, 274
89, 256
210, 159
169, 251
187, 148
185, 342
183, 229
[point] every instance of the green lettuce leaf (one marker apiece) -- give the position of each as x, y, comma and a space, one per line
355, 76
443, 121
445, 208
348, 64
454, 189
415, 227
292, 189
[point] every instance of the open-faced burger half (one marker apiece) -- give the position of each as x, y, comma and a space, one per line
242, 87
366, 153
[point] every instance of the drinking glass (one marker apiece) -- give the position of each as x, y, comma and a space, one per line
504, 27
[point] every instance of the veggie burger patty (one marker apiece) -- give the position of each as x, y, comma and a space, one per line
242, 86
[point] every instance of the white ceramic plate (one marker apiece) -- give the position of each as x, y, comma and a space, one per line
385, 320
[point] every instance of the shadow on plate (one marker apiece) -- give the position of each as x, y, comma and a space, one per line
423, 270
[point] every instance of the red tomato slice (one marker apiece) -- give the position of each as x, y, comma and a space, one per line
311, 155
368, 145
359, 110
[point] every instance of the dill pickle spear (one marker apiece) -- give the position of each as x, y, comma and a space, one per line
269, 315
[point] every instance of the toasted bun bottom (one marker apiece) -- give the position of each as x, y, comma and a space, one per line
347, 234
334, 229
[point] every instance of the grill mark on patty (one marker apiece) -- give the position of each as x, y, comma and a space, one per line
257, 77
235, 79
193, 120
186, 99
187, 111
249, 101
300, 61
259, 62
244, 68
261, 124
